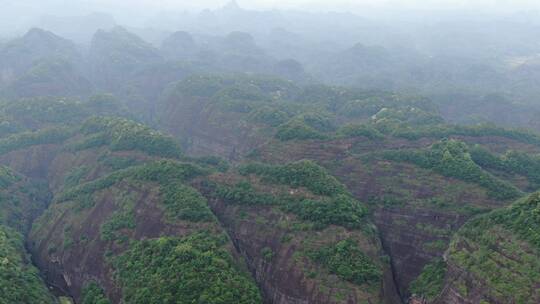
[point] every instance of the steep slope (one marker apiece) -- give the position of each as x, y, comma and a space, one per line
99, 231
416, 210
334, 195
88, 223
130, 216
21, 201
305, 239
89, 229
212, 113
422, 177
494, 259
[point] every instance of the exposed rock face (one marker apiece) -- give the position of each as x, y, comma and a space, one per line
494, 258
71, 258
412, 235
287, 276
413, 229
206, 129
405, 240
73, 252
33, 162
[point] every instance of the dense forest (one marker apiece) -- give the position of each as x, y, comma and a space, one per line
200, 162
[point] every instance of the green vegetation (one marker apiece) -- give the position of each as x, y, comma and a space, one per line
522, 218
19, 279
185, 203
19, 200
267, 253
357, 130
47, 112
243, 193
300, 199
44, 111
431, 281
180, 202
7, 177
443, 130
270, 116
346, 260
92, 293
214, 162
503, 248
320, 121
309, 125
123, 134
512, 162
304, 173
194, 269
118, 162
161, 172
400, 106
65, 300
124, 219
75, 176
405, 116
336, 208
28, 139
340, 210
452, 158
297, 129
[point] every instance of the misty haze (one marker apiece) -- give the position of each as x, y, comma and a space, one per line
269, 152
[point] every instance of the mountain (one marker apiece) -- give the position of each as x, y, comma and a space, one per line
502, 244
180, 45
86, 25
330, 195
37, 45
114, 55
215, 169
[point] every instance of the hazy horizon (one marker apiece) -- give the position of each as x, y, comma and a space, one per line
22, 14
321, 5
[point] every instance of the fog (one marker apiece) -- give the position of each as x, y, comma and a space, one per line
269, 151
16, 16
431, 47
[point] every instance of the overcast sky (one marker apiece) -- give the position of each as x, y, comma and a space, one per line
17, 14
154, 5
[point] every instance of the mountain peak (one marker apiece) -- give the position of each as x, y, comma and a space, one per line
232, 6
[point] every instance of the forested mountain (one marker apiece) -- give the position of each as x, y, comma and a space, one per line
222, 168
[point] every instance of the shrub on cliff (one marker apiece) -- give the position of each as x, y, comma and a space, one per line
19, 279
194, 269
123, 134
357, 130
303, 173
452, 158
430, 282
92, 293
346, 260
297, 129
